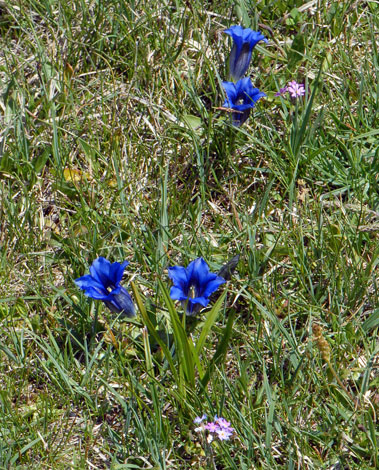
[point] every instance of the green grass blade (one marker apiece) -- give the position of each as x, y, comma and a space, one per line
153, 332
182, 342
221, 350
209, 322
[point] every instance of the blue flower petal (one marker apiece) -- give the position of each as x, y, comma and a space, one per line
103, 283
244, 41
241, 96
195, 305
176, 293
199, 300
178, 275
236, 32
100, 270
117, 271
200, 275
87, 281
95, 293
231, 94
107, 273
193, 285
239, 61
213, 285
124, 303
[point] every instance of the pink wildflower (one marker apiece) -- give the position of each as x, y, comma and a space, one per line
296, 90
222, 422
223, 434
212, 427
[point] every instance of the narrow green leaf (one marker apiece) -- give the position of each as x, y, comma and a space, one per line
209, 322
180, 337
271, 404
221, 349
299, 134
194, 122
153, 331
372, 321
275, 320
297, 50
147, 350
41, 160
22, 451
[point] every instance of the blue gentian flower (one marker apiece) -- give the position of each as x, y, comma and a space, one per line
103, 283
245, 39
193, 285
241, 97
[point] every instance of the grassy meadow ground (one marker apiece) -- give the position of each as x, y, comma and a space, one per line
112, 144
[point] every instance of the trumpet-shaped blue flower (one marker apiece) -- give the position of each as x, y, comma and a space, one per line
103, 283
193, 285
245, 39
241, 97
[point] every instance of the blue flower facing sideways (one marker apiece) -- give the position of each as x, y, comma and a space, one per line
241, 97
244, 41
193, 285
103, 283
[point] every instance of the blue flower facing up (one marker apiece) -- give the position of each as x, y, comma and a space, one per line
103, 283
193, 285
241, 97
244, 41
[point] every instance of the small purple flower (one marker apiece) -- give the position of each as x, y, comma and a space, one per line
193, 285
282, 91
212, 427
219, 428
244, 41
223, 434
295, 90
222, 422
103, 283
199, 419
241, 97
